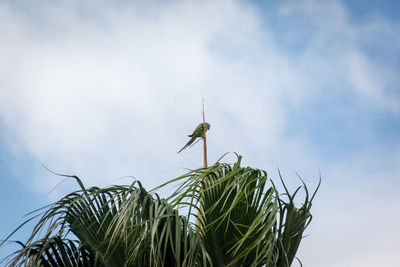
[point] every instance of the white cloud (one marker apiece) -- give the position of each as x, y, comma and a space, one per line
355, 214
104, 91
121, 95
342, 52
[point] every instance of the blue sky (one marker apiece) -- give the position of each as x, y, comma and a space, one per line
107, 89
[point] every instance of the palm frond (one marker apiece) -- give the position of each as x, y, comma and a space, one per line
223, 215
235, 212
53, 251
292, 223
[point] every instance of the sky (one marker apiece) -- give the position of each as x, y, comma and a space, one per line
109, 89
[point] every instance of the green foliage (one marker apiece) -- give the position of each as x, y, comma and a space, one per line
223, 215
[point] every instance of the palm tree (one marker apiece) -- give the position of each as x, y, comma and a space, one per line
222, 215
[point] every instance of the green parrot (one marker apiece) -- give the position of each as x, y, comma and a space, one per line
198, 132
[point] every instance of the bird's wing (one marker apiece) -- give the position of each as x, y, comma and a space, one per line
197, 130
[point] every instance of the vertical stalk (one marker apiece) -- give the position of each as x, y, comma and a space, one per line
200, 212
204, 138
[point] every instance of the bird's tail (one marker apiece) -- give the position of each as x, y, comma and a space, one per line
182, 148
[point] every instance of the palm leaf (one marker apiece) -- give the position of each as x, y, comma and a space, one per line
235, 212
231, 217
53, 251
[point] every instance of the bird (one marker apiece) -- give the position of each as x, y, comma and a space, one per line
198, 132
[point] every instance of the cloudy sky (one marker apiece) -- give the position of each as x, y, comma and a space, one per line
108, 89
